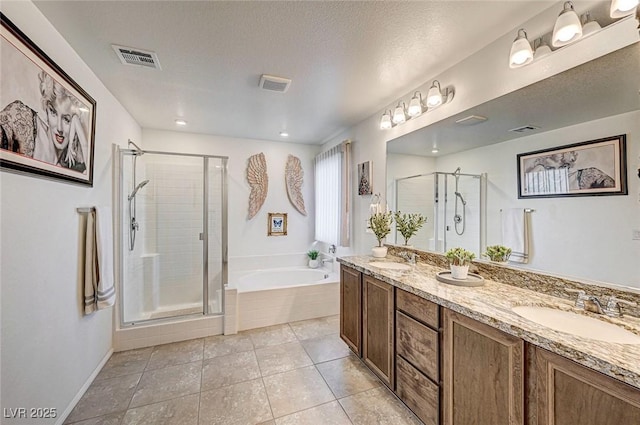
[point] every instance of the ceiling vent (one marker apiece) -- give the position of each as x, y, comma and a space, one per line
471, 120
524, 129
279, 84
137, 57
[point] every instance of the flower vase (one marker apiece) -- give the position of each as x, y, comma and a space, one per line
459, 272
379, 251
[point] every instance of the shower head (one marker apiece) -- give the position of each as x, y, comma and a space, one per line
459, 195
138, 187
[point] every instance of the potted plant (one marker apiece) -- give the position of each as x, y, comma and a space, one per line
313, 258
497, 253
409, 224
459, 260
380, 224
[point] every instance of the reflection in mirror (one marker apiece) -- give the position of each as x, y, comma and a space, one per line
589, 237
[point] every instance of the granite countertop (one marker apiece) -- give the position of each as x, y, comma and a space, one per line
491, 304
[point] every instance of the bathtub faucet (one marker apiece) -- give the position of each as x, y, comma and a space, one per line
327, 260
332, 249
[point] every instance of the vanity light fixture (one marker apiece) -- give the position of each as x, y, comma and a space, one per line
521, 53
400, 113
590, 25
541, 50
567, 28
622, 8
435, 96
416, 106
181, 122
385, 121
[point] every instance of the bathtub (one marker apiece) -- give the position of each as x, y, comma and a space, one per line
266, 297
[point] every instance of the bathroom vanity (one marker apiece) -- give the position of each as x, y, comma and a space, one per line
461, 356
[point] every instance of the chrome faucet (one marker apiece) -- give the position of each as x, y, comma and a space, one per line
327, 260
409, 256
587, 302
332, 249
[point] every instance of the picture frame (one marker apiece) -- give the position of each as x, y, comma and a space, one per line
592, 168
364, 178
277, 224
47, 121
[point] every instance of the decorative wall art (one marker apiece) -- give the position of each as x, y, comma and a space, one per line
259, 182
294, 178
47, 121
364, 178
596, 167
277, 225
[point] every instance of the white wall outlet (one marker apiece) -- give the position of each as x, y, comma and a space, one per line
635, 235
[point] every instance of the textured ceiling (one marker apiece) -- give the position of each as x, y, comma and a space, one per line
347, 59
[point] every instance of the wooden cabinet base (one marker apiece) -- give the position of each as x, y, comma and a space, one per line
417, 392
569, 393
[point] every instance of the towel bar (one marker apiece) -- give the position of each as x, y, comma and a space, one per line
83, 210
527, 210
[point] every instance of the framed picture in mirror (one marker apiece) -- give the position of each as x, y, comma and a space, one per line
595, 167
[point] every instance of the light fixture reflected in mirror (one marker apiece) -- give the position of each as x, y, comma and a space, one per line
399, 114
567, 28
416, 107
622, 8
590, 25
385, 121
521, 53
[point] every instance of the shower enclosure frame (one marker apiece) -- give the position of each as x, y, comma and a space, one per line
204, 237
482, 234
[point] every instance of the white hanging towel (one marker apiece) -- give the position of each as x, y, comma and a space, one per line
99, 291
515, 234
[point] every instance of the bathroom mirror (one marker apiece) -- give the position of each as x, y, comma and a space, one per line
588, 238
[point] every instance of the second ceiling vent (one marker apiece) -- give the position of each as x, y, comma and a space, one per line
137, 57
272, 83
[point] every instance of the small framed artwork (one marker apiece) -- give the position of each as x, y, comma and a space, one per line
364, 178
277, 224
596, 167
47, 121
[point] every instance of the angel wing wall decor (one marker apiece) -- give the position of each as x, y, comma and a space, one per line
294, 177
259, 182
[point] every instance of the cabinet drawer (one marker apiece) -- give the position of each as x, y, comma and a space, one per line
417, 392
418, 344
417, 307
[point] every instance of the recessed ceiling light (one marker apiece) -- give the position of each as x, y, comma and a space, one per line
284, 134
181, 122
435, 150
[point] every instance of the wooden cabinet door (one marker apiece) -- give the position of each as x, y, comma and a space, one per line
351, 308
378, 328
482, 374
569, 393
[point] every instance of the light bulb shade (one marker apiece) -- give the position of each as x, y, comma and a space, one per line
385, 121
415, 106
590, 27
521, 53
434, 96
567, 28
622, 8
399, 116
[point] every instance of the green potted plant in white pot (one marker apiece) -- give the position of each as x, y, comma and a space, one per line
313, 258
409, 224
497, 253
459, 260
380, 224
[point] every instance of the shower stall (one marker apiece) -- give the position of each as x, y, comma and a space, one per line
454, 204
172, 250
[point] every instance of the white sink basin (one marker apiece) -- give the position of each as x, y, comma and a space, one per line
577, 324
390, 265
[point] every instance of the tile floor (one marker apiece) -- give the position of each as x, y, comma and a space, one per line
294, 374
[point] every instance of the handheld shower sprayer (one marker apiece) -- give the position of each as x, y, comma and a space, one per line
138, 187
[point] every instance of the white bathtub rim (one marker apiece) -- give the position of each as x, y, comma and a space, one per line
234, 277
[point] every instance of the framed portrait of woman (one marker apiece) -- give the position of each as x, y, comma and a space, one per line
47, 121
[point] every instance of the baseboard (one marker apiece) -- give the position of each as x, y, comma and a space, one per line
83, 389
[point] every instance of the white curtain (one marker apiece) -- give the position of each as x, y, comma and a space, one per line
332, 184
